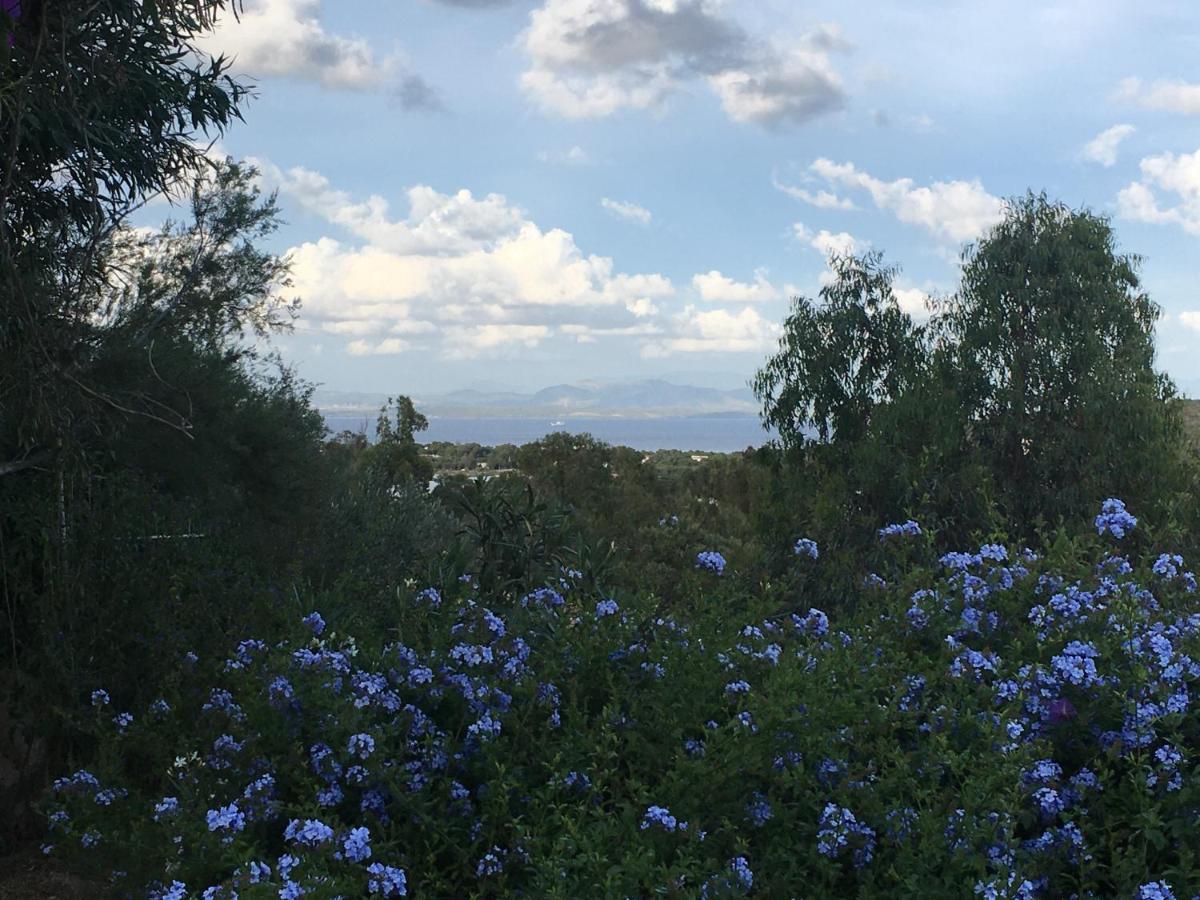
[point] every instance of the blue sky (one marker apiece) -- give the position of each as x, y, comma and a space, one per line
515, 194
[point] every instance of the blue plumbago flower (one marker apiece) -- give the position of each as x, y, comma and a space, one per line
90, 838
430, 595
315, 622
737, 687
310, 832
1016, 888
1077, 664
357, 845
576, 781
100, 698
902, 529
711, 560
741, 871
177, 891
361, 745
694, 748
259, 873
1043, 771
758, 810
387, 881
543, 598
491, 863
220, 700
108, 796
660, 816
123, 720
1155, 890
1115, 519
815, 624
226, 818
994, 552
280, 692
160, 707
837, 828
1049, 802
606, 608
806, 547
1167, 565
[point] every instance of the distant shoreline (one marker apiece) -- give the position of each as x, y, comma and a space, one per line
709, 432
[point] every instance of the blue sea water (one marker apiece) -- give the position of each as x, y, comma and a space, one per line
717, 434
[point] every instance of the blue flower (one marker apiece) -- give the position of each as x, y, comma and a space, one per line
741, 871
1155, 890
100, 698
837, 828
316, 622
606, 608
806, 547
226, 818
310, 832
387, 881
902, 529
711, 560
1115, 519
660, 816
357, 845
361, 745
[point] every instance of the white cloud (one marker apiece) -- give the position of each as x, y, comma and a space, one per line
1190, 319
386, 347
913, 301
1174, 175
1103, 147
285, 37
592, 58
460, 273
1169, 96
717, 288
952, 210
829, 244
787, 87
575, 156
821, 199
716, 331
630, 212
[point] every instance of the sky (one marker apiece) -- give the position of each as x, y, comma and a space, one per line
509, 194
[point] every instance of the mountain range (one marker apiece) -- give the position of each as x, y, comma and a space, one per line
651, 398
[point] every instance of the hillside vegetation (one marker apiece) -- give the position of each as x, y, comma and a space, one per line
940, 639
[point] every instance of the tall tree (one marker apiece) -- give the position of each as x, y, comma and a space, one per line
103, 103
1049, 342
840, 357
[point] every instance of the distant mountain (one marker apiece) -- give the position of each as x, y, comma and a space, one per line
648, 398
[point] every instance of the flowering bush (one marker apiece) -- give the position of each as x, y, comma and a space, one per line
1016, 724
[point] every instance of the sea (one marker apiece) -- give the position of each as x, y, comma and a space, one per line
713, 434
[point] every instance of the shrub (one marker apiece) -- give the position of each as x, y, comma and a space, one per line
989, 718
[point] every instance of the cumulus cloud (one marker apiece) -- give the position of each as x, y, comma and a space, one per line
716, 331
784, 88
285, 37
591, 58
1178, 177
827, 243
953, 211
630, 212
1190, 319
822, 199
460, 273
1103, 147
1168, 96
717, 288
